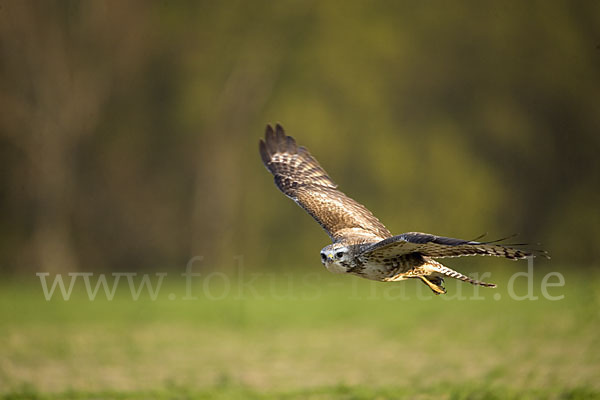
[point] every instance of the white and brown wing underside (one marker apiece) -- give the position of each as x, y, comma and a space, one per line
300, 177
440, 247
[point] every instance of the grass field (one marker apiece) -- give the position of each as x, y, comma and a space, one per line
297, 336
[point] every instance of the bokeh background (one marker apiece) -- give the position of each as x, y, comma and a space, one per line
129, 130
129, 143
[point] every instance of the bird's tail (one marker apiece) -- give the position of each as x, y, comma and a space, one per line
440, 270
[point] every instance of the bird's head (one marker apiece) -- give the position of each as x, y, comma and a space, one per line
336, 257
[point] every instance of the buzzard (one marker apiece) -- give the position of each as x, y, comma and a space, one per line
361, 244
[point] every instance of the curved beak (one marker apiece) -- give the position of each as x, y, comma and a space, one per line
329, 259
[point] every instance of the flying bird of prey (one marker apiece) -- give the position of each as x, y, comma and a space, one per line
361, 244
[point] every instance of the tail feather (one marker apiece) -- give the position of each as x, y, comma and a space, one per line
440, 269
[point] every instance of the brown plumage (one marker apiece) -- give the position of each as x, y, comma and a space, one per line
361, 244
300, 177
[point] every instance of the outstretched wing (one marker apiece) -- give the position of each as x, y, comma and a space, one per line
300, 177
440, 247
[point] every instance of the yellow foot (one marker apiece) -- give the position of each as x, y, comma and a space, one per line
436, 287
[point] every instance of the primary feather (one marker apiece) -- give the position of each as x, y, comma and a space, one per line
300, 177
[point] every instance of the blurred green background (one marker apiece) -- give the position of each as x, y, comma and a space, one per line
128, 142
129, 130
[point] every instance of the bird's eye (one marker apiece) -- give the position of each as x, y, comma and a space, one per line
339, 254
323, 256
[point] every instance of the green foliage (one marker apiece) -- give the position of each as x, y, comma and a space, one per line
129, 132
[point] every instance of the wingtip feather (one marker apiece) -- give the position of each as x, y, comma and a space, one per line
269, 135
279, 133
279, 129
276, 141
291, 146
264, 153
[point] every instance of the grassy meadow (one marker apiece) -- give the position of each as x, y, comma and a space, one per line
300, 335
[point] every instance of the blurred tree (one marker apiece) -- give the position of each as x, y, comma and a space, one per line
129, 129
59, 61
